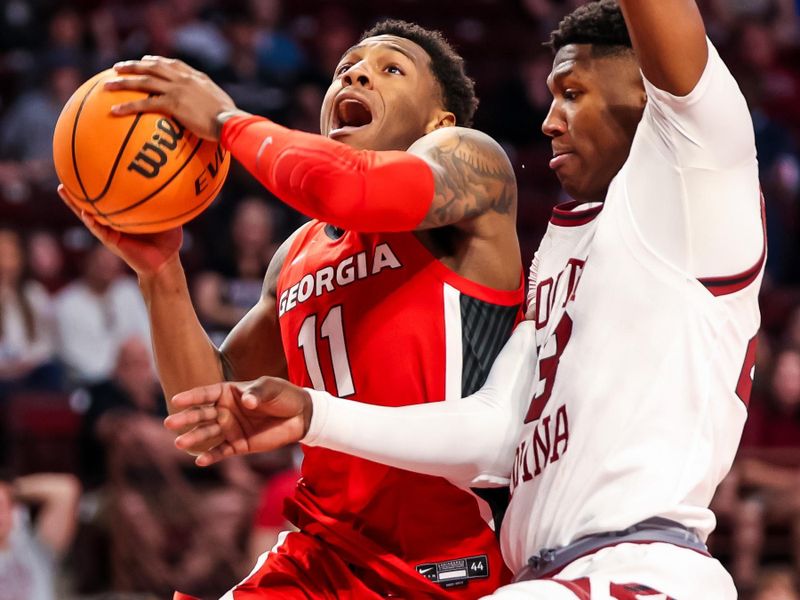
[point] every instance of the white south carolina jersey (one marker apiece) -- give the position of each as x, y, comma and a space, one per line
646, 313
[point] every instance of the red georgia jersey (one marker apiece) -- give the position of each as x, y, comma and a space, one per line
377, 318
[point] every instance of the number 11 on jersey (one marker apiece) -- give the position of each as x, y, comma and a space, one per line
333, 330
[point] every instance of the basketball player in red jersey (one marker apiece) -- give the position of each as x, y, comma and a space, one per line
409, 277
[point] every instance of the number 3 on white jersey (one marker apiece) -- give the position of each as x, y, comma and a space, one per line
332, 329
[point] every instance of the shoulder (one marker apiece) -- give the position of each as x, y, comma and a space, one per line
465, 143
716, 84
276, 264
472, 176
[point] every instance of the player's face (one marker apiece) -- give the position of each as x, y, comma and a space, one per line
383, 96
597, 104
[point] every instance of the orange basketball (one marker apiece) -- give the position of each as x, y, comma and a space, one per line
139, 173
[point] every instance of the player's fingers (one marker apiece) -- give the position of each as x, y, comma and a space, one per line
105, 234
190, 417
206, 394
69, 200
109, 237
175, 63
200, 436
215, 455
154, 104
157, 66
139, 83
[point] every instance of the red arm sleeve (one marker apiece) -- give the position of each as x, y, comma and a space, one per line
359, 190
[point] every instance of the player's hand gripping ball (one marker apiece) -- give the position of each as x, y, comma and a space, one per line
140, 173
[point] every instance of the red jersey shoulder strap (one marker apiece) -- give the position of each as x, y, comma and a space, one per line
305, 233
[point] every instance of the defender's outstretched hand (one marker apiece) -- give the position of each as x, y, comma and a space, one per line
226, 419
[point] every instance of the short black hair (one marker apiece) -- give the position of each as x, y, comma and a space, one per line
458, 90
598, 23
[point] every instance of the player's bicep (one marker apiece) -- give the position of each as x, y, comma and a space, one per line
253, 348
472, 176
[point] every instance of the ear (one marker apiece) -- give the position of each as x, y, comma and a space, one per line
440, 119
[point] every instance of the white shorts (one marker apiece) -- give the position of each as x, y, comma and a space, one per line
631, 572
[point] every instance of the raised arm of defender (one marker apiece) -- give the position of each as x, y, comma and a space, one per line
470, 441
670, 41
697, 206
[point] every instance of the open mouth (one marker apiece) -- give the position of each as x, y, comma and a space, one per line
350, 114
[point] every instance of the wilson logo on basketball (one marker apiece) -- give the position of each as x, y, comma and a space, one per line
153, 156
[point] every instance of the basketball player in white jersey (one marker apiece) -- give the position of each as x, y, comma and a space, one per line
616, 408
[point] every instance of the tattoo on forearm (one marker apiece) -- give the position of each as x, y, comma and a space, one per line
469, 182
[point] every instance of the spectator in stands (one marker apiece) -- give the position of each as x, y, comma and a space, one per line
66, 36
197, 40
26, 130
153, 496
242, 77
336, 32
30, 554
130, 399
46, 260
224, 294
26, 324
280, 59
781, 15
777, 584
545, 14
95, 314
105, 38
305, 107
153, 33
792, 332
768, 468
759, 57
523, 99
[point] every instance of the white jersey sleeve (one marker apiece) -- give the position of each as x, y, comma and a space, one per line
470, 441
698, 207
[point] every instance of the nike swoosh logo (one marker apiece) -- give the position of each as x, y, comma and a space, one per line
264, 144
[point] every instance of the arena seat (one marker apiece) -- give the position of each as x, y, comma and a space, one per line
42, 431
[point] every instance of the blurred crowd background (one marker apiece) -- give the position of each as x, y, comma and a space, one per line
93, 494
